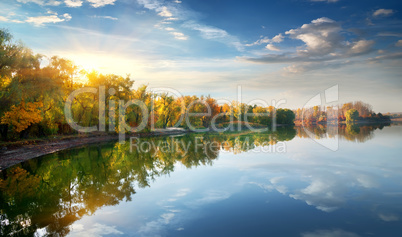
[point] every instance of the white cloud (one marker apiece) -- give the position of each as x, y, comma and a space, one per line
208, 32
276, 39
16, 21
383, 12
97, 230
388, 217
153, 228
167, 217
41, 20
182, 192
330, 233
164, 12
391, 56
174, 13
67, 16
73, 3
399, 43
211, 196
106, 17
321, 36
325, 193
260, 41
53, 3
295, 69
3, 18
179, 35
172, 19
101, 3
150, 4
169, 29
324, 46
361, 47
42, 2
214, 33
272, 47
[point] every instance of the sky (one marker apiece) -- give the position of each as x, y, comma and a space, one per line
287, 50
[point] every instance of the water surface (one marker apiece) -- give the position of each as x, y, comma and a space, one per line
238, 184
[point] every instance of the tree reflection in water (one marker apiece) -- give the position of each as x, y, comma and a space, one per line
54, 191
349, 132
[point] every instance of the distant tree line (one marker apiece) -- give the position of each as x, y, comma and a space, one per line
351, 112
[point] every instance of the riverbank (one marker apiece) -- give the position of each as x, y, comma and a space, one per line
18, 152
359, 122
12, 153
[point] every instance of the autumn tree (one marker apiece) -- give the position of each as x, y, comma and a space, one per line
285, 116
261, 115
211, 108
352, 116
22, 116
167, 109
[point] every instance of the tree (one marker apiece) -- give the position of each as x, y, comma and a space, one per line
352, 115
21, 117
364, 109
285, 116
238, 110
13, 58
187, 105
145, 96
10, 54
214, 110
261, 116
167, 109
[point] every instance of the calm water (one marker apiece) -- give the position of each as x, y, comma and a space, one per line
249, 184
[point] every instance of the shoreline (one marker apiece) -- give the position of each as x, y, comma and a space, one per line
23, 152
19, 152
359, 122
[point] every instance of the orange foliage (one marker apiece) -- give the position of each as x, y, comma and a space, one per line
23, 115
19, 183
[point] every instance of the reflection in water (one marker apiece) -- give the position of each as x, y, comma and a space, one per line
55, 191
349, 132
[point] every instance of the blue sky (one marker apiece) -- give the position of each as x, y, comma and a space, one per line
288, 49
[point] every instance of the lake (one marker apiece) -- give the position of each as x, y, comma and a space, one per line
283, 183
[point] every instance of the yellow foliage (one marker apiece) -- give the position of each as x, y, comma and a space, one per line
23, 115
4, 81
19, 183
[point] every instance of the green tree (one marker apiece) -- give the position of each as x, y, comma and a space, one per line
352, 116
261, 116
285, 116
167, 110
